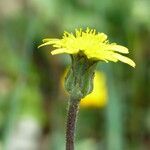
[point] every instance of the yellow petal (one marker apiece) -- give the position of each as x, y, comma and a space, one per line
125, 59
106, 56
44, 44
50, 42
62, 50
117, 48
102, 37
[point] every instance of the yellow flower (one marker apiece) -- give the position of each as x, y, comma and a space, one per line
91, 44
98, 97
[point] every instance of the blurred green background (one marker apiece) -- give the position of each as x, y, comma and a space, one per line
32, 101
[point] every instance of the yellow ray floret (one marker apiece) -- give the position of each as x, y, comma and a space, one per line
93, 45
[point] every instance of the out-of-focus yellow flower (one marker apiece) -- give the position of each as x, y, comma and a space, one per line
98, 97
93, 45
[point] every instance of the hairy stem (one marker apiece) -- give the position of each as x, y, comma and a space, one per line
71, 122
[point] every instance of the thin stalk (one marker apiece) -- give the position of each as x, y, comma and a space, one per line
71, 123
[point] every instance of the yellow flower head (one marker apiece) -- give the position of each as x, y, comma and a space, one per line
93, 45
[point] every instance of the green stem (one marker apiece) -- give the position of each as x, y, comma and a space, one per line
71, 122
